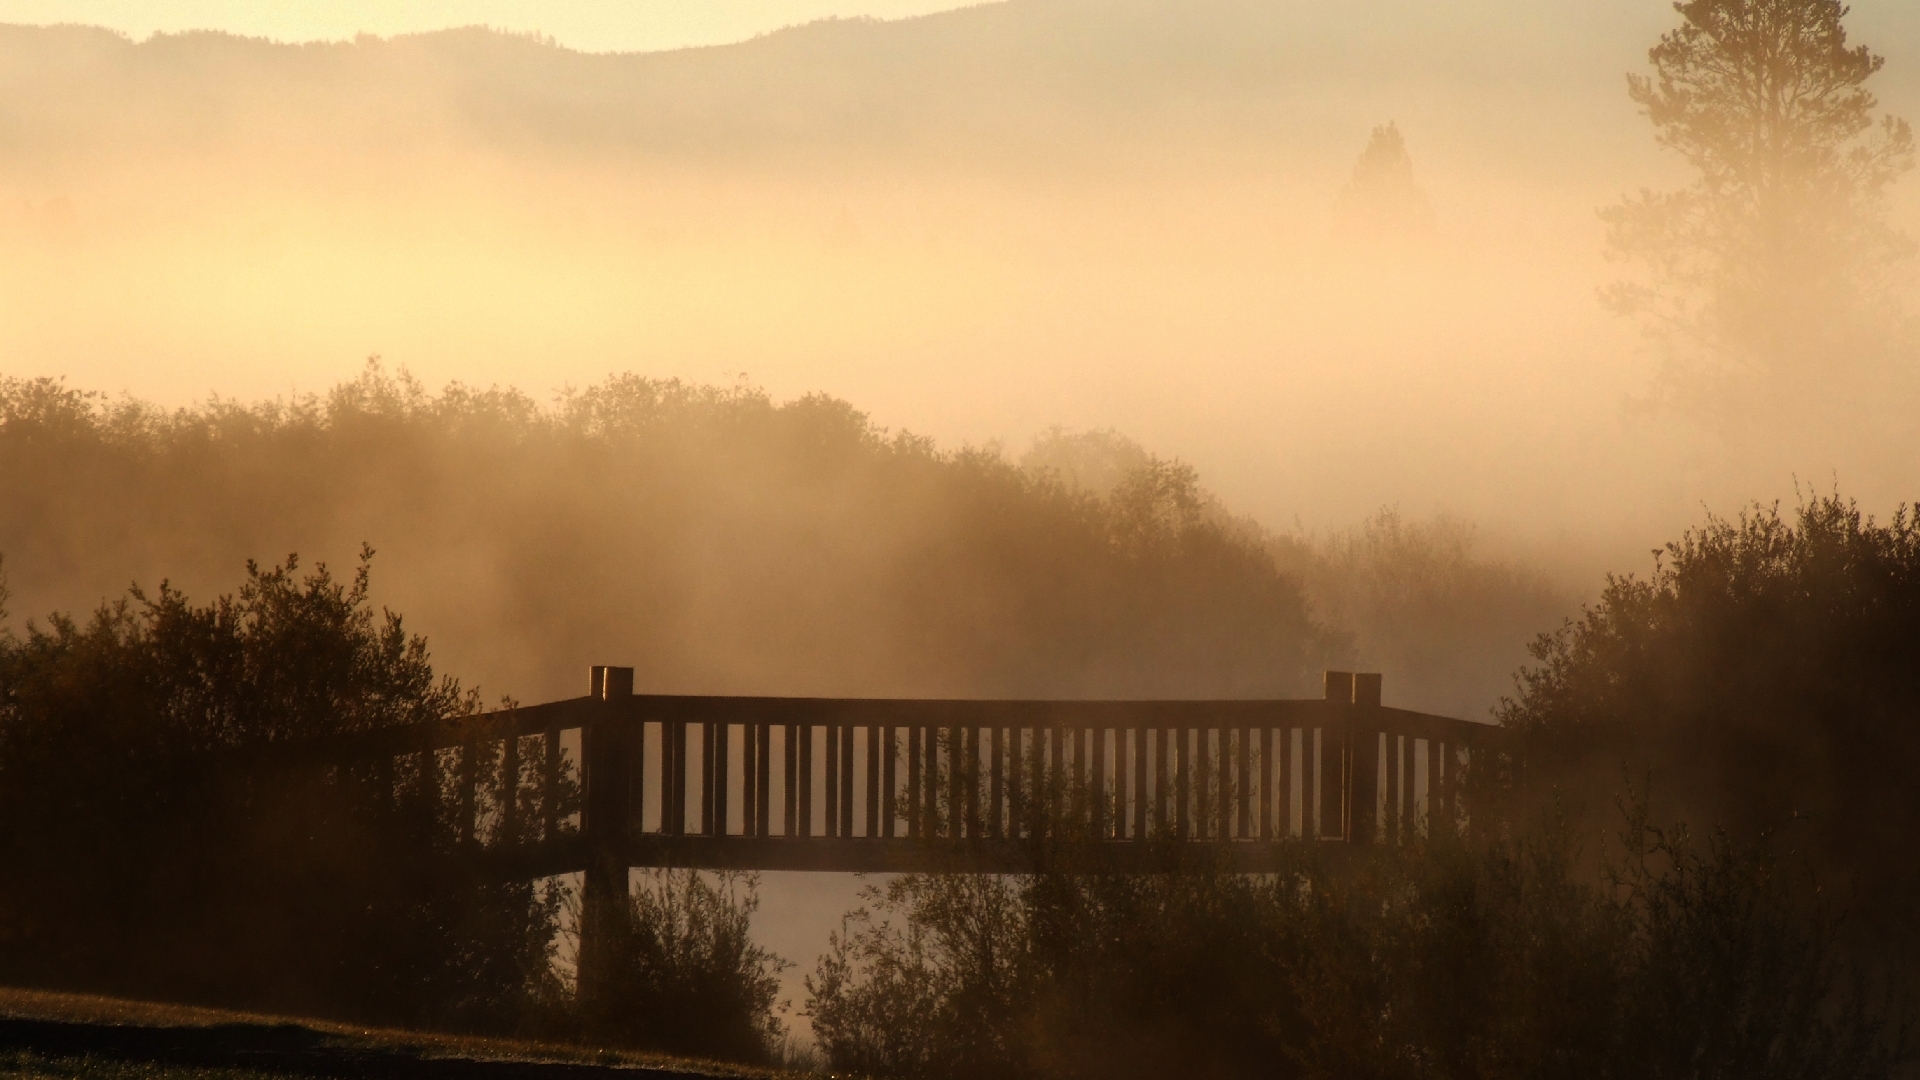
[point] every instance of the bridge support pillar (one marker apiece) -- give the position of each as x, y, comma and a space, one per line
1363, 742
606, 782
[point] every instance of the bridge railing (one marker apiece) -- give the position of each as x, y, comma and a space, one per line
887, 784
600, 784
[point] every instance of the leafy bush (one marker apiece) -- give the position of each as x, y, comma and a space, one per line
686, 978
1768, 671
152, 843
1435, 960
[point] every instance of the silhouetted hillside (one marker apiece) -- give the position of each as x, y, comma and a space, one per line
1010, 79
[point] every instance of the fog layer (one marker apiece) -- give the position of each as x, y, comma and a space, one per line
975, 225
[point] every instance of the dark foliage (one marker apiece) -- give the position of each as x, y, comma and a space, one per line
719, 541
1768, 671
156, 842
686, 978
1433, 961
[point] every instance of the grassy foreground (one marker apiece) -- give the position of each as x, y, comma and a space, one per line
56, 1035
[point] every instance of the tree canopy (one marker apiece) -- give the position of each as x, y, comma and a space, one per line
1772, 259
1767, 675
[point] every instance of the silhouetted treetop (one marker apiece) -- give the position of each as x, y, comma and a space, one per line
1781, 241
1381, 200
1768, 670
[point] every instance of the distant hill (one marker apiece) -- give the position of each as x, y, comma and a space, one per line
1028, 76
1020, 78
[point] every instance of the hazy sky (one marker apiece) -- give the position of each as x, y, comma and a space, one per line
591, 25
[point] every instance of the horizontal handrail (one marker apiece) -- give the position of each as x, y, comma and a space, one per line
901, 713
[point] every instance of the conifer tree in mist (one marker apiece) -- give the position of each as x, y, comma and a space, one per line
1381, 202
1771, 274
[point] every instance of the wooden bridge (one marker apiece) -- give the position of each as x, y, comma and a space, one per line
864, 784
600, 784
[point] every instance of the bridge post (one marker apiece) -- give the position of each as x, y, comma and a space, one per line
605, 781
1330, 786
1364, 780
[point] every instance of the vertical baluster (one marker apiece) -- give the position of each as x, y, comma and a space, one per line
764, 794
669, 757
1230, 787
1162, 779
1243, 760
1016, 787
1097, 795
790, 779
749, 785
637, 780
1202, 779
1457, 775
846, 780
963, 766
718, 769
1266, 784
1314, 777
469, 781
930, 788
1222, 821
957, 782
1223, 784
509, 831
702, 822
1393, 789
1142, 750
873, 780
550, 787
1328, 793
1182, 792
1289, 763
1366, 798
706, 779
1056, 778
1080, 737
915, 827
1403, 757
806, 780
831, 795
996, 784
890, 811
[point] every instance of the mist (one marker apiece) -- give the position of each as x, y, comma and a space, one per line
973, 225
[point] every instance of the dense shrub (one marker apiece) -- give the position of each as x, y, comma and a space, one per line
1768, 671
686, 978
1434, 961
153, 843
